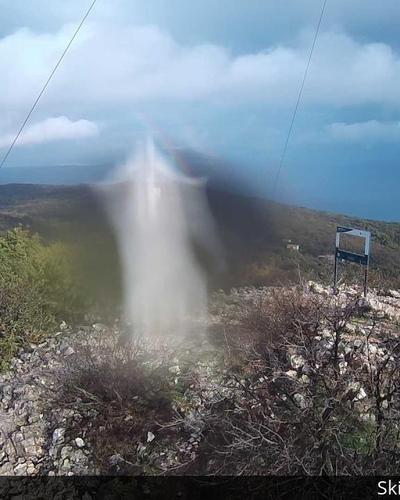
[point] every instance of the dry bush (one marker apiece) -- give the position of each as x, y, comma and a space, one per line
293, 402
382, 379
294, 395
118, 394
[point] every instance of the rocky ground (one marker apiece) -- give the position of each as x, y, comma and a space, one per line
29, 444
40, 438
36, 435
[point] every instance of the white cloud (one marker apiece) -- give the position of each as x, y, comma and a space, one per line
368, 131
52, 129
114, 69
121, 65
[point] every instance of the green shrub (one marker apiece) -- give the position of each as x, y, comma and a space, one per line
38, 289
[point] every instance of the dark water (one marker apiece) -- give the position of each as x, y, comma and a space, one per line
373, 197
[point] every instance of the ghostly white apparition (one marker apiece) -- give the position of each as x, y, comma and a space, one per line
158, 215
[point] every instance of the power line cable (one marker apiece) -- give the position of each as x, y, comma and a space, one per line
46, 84
278, 173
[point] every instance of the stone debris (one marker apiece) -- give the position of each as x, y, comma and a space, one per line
99, 327
35, 437
150, 437
36, 440
297, 361
29, 443
58, 436
80, 443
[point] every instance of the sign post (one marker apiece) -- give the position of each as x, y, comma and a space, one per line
341, 255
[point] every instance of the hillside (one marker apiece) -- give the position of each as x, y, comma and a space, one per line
281, 383
253, 232
275, 380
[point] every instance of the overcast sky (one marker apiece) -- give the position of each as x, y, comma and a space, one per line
220, 77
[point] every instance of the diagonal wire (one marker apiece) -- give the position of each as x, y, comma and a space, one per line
46, 84
278, 173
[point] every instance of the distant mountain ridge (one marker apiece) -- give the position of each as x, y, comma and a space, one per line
54, 175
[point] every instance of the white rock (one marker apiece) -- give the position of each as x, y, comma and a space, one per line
150, 437
80, 443
360, 395
329, 344
326, 333
20, 469
300, 400
291, 374
381, 352
66, 463
317, 288
99, 327
305, 379
68, 351
30, 469
351, 328
353, 388
58, 435
66, 451
297, 361
394, 293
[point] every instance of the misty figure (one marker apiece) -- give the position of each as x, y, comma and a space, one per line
163, 225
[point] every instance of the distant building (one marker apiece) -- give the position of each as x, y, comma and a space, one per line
293, 247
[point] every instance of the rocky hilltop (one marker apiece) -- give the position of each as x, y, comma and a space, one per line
82, 403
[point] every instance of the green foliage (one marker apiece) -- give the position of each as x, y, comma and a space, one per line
267, 261
252, 231
362, 440
37, 289
315, 231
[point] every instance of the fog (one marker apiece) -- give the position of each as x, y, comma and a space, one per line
159, 214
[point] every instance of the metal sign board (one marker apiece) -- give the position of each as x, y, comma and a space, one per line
344, 255
352, 257
354, 232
